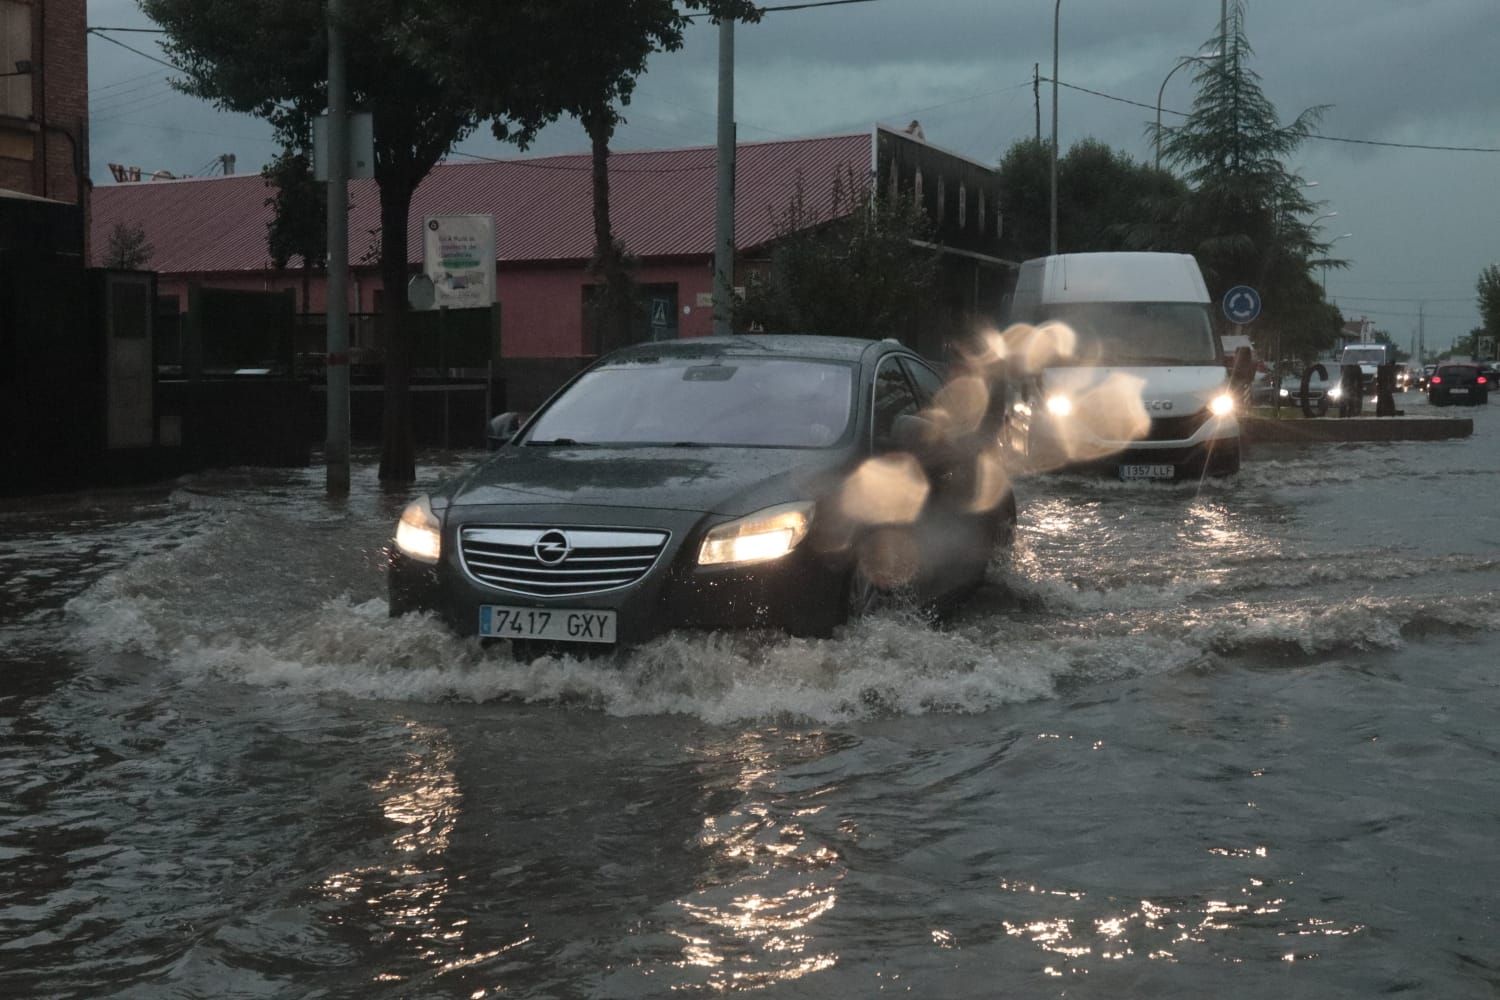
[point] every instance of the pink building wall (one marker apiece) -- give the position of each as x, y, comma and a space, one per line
541, 305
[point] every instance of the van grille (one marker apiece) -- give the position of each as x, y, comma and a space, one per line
1176, 428
559, 562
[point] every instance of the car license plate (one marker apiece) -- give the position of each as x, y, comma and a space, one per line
498, 621
1148, 472
1458, 392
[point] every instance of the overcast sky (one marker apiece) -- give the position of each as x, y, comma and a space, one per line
1423, 222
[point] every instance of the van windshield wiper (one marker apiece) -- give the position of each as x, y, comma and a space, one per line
569, 442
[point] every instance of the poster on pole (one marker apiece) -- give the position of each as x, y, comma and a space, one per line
459, 257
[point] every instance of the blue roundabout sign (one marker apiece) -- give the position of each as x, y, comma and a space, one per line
1241, 304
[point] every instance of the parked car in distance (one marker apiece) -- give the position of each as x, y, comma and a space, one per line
1459, 383
787, 482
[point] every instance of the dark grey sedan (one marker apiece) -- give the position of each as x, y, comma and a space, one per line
754, 481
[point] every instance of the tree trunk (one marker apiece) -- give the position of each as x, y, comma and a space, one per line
615, 299
398, 463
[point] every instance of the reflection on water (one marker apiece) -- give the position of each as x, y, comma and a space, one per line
755, 924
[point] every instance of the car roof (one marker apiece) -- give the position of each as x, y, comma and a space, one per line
752, 345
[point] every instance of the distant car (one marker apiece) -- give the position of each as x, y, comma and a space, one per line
785, 482
1404, 380
1290, 390
1425, 376
1459, 383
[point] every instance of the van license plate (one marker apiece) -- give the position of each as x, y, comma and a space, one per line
498, 621
1148, 472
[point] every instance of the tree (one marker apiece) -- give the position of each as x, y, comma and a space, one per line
591, 77
1105, 200
126, 248
1244, 217
1488, 288
854, 269
298, 226
269, 58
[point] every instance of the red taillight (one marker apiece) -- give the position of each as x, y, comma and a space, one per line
1483, 380
1437, 380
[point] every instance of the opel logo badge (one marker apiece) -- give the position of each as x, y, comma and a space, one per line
552, 548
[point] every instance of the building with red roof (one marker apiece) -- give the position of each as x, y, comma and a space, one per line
212, 231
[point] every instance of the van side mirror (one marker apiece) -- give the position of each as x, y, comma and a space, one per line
503, 428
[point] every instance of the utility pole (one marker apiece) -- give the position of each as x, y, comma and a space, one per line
1036, 98
336, 449
724, 221
1056, 19
1421, 333
1224, 36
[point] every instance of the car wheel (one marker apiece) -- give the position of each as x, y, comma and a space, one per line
863, 596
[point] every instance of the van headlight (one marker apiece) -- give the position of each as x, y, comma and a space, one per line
419, 533
1221, 405
760, 537
1336, 392
1059, 406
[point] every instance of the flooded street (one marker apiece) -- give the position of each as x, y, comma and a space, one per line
1231, 740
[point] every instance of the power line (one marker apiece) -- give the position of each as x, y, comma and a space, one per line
1310, 135
144, 55
145, 31
1423, 298
584, 167
791, 6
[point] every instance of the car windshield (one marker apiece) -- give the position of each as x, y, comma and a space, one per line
756, 402
1364, 356
1140, 333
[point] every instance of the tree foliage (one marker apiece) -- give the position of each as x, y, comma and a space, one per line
1488, 288
1105, 200
852, 269
1246, 215
126, 248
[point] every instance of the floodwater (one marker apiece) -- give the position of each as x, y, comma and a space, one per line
1232, 741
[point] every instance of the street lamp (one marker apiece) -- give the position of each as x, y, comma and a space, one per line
1341, 236
1163, 88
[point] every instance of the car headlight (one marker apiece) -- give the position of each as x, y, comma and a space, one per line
1285, 393
1059, 406
1221, 405
760, 537
1335, 392
419, 533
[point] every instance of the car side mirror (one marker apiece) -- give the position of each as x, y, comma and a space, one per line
503, 428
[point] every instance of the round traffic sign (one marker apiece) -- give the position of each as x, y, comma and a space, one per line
1241, 304
420, 293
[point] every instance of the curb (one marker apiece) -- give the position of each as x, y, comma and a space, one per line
1258, 430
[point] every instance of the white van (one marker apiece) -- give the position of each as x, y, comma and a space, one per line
1121, 367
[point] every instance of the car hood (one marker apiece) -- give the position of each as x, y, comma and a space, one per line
1188, 388
729, 481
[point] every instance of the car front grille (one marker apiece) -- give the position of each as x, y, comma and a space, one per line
559, 562
1176, 428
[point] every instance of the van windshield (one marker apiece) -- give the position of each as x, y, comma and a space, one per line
1364, 355
1139, 333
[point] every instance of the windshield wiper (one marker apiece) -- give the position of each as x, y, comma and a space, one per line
569, 442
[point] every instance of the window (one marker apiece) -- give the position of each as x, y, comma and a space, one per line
982, 217
917, 187
941, 200
927, 381
894, 398
963, 206
15, 46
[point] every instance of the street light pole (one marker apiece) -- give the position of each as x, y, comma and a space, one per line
1341, 236
1056, 17
724, 216
336, 448
1162, 90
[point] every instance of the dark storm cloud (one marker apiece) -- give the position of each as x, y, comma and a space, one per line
1390, 70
